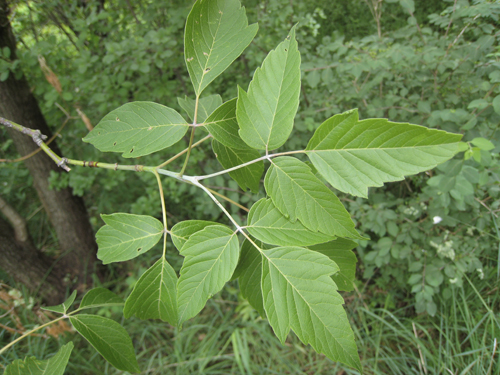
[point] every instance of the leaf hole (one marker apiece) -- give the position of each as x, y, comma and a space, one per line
131, 150
139, 249
117, 119
190, 59
286, 50
114, 144
206, 70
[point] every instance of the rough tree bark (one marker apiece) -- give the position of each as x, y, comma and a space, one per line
67, 213
17, 250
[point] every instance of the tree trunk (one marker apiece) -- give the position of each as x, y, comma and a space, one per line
66, 212
28, 266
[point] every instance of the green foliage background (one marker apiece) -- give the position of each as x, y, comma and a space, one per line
436, 64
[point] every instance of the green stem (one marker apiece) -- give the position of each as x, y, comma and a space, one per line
164, 212
38, 138
116, 166
30, 332
181, 173
229, 200
266, 157
206, 190
183, 152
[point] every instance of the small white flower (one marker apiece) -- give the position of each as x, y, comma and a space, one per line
481, 273
437, 219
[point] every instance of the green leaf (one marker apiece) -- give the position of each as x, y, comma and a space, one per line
109, 338
483, 144
246, 177
4, 75
249, 272
127, 236
32, 366
471, 174
353, 155
206, 106
63, 307
223, 126
211, 256
138, 129
6, 52
297, 193
478, 103
155, 294
98, 297
181, 232
300, 294
340, 251
409, 5
268, 224
266, 113
216, 33
496, 104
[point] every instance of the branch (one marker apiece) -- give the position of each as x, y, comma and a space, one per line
17, 221
38, 138
39, 148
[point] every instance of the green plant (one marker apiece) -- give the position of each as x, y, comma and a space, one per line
429, 231
296, 251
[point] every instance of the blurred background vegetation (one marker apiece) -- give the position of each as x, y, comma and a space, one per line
426, 300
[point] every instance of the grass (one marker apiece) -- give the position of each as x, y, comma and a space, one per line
228, 337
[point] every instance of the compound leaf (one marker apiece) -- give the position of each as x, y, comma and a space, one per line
32, 366
99, 297
109, 338
266, 113
300, 294
216, 33
246, 177
155, 294
268, 224
297, 193
127, 236
340, 251
353, 155
211, 256
138, 129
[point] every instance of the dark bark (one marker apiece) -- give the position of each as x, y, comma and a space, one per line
28, 266
66, 212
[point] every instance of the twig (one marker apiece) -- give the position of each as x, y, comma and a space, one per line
39, 148
17, 221
484, 205
38, 138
